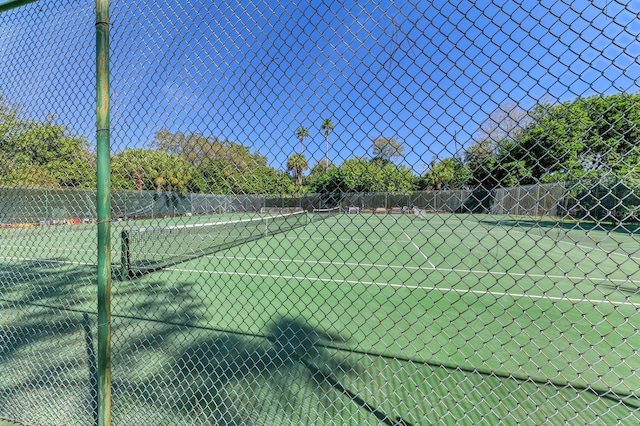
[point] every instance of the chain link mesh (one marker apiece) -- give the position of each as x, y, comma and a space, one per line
467, 174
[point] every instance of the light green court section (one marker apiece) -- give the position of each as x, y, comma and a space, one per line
454, 318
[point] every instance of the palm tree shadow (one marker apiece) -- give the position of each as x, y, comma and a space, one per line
307, 346
234, 379
294, 341
226, 378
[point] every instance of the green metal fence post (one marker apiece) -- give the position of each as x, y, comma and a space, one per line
104, 212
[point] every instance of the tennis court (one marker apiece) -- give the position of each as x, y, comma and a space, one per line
168, 253
372, 318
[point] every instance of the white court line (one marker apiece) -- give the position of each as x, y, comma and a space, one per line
379, 284
419, 250
342, 240
475, 272
586, 248
583, 254
435, 269
414, 287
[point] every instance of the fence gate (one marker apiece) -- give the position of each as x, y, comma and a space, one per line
321, 213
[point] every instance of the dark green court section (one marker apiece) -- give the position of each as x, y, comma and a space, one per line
456, 318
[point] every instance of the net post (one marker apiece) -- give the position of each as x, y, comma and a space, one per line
125, 259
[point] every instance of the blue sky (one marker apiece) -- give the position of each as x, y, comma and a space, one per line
427, 73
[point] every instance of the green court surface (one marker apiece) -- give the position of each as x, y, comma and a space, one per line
450, 319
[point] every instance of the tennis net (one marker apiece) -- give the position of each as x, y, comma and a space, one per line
145, 250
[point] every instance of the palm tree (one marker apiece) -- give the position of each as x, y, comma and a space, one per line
327, 126
298, 164
301, 134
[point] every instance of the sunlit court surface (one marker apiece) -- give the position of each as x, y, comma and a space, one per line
422, 303
283, 213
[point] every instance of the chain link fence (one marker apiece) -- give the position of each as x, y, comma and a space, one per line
397, 213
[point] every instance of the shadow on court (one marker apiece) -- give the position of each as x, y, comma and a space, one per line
43, 342
38, 293
168, 369
48, 336
285, 375
165, 367
549, 224
163, 363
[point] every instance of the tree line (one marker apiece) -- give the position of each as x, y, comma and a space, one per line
590, 138
581, 139
42, 154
